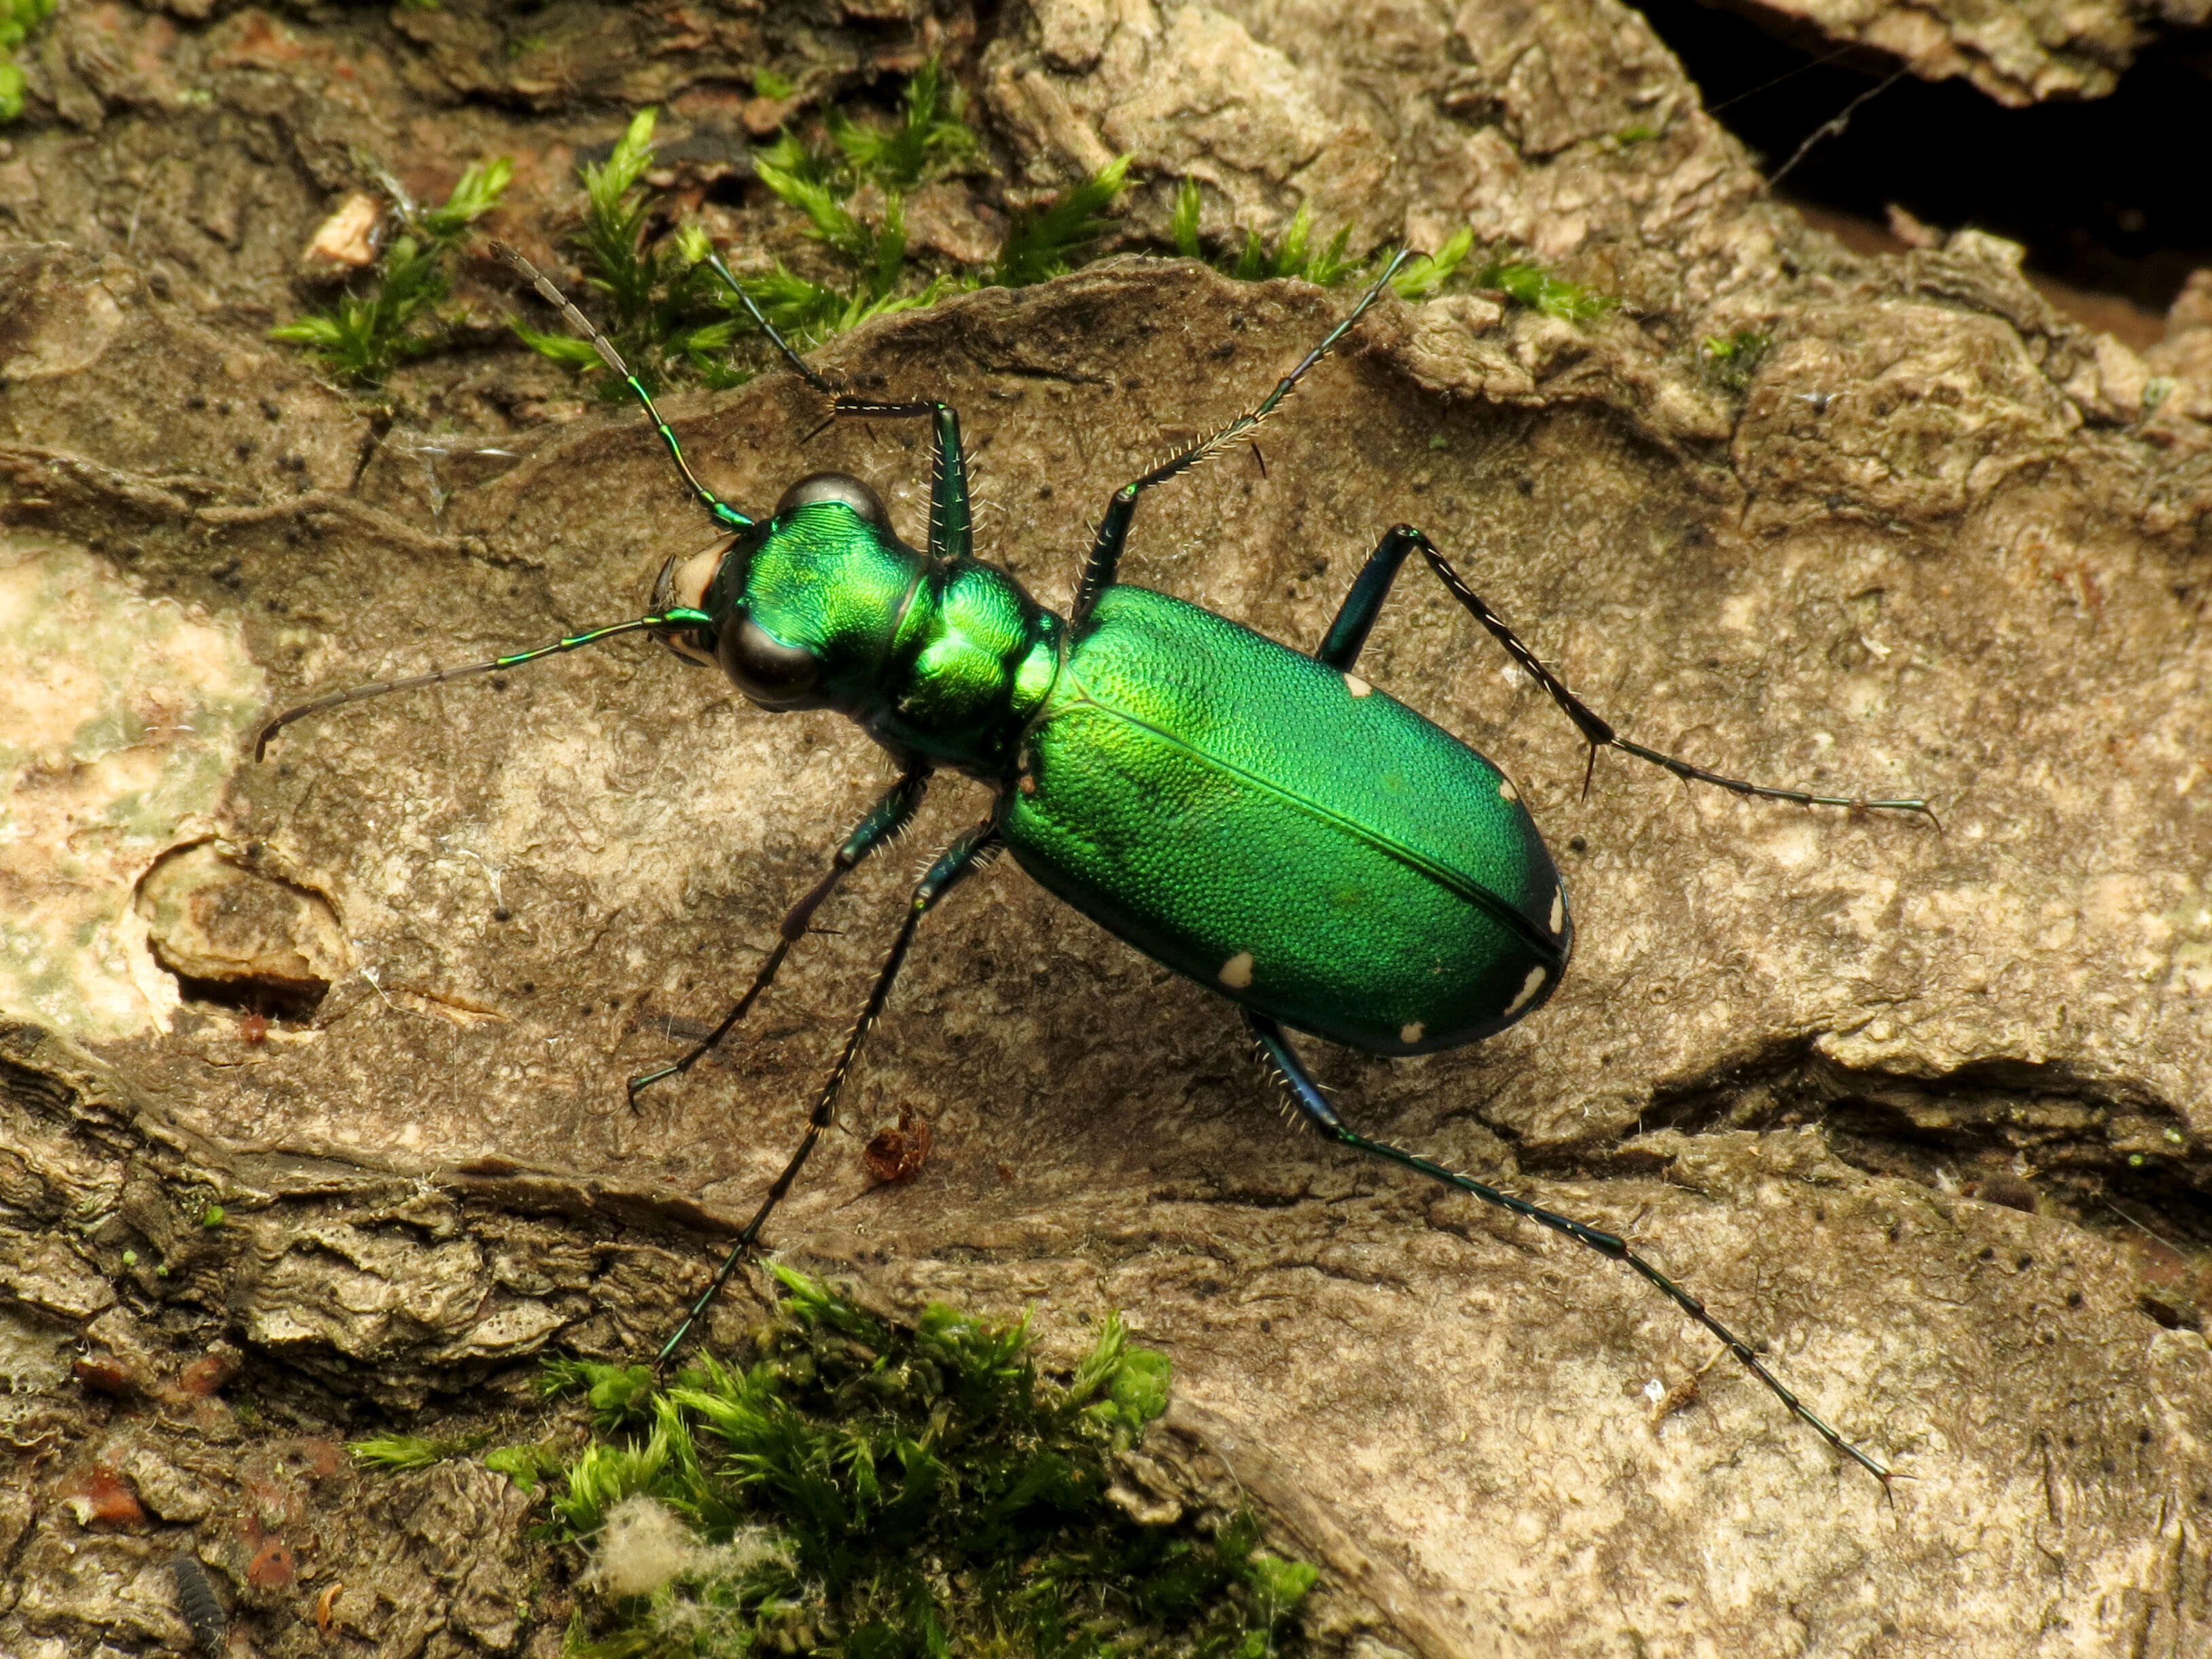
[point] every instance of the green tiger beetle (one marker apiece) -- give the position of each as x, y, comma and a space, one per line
1265, 822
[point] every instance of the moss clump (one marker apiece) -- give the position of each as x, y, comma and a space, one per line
871, 1491
1731, 359
1530, 285
395, 1454
17, 19
655, 300
665, 300
368, 334
1259, 260
1046, 242
671, 313
1522, 282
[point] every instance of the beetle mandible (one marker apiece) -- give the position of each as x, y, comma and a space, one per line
1265, 822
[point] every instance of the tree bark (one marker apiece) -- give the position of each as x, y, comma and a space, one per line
1922, 1111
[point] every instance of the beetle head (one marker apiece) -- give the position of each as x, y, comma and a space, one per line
803, 604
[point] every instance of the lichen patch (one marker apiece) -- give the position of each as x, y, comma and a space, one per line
121, 719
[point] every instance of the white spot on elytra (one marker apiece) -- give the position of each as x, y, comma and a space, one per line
1529, 986
1358, 687
1559, 908
1410, 1032
1237, 972
1506, 790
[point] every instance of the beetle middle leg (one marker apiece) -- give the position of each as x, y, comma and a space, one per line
1347, 634
959, 860
1306, 1096
1098, 570
884, 821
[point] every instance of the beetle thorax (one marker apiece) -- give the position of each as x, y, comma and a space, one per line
823, 607
976, 657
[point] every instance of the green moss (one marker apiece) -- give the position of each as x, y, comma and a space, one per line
368, 334
672, 316
1425, 273
524, 1465
931, 137
1044, 243
1530, 285
393, 1453
18, 18
1732, 359
1259, 260
872, 1492
648, 306
1522, 282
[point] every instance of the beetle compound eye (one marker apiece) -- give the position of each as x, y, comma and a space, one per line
834, 487
764, 668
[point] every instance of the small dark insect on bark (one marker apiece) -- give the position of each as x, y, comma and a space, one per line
196, 1601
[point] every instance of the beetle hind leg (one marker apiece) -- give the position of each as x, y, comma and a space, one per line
1306, 1096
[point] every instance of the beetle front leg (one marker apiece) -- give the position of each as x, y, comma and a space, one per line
1099, 569
883, 823
951, 527
952, 521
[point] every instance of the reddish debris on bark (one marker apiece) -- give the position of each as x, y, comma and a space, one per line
208, 1373
320, 1459
898, 1154
327, 1607
99, 1499
273, 1566
106, 1374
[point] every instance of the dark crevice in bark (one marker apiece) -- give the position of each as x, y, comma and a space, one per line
2032, 1137
2097, 189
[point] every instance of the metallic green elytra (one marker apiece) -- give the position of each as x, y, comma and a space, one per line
1259, 819
1375, 882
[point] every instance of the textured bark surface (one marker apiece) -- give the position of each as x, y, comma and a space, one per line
1925, 1113
2019, 54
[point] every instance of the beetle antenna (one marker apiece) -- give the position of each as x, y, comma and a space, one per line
798, 365
679, 617
725, 514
